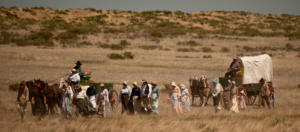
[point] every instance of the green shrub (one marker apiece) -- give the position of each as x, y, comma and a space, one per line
91, 9
67, 35
115, 56
85, 43
155, 33
39, 8
124, 43
14, 86
289, 47
61, 12
207, 49
187, 50
148, 47
41, 35
225, 49
189, 43
248, 48
128, 55
5, 37
32, 12
22, 42
116, 47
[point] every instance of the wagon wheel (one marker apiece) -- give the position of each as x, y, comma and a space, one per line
251, 99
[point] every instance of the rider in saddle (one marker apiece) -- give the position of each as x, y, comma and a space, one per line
233, 69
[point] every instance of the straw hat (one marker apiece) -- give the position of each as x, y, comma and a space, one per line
153, 83
173, 84
135, 84
101, 85
125, 82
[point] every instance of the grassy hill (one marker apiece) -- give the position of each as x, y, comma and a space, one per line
44, 26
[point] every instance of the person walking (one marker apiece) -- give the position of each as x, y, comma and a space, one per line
155, 98
242, 97
67, 97
264, 93
174, 97
135, 98
146, 90
124, 97
185, 99
103, 101
215, 91
233, 94
23, 97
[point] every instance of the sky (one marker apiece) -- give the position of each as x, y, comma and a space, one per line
255, 6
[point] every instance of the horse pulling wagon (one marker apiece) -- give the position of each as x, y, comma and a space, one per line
253, 69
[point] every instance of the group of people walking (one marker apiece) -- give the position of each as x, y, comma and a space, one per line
234, 98
144, 99
77, 90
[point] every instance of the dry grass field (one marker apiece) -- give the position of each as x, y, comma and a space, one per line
161, 59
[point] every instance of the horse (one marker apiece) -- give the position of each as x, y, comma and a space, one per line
52, 93
201, 89
54, 97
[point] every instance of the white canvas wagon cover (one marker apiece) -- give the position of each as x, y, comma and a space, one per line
257, 67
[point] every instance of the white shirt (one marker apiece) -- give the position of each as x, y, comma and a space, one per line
143, 88
69, 91
81, 95
104, 94
75, 77
216, 89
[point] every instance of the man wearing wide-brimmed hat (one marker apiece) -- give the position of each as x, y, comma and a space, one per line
135, 98
124, 96
264, 93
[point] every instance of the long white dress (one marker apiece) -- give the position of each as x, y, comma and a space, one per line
185, 100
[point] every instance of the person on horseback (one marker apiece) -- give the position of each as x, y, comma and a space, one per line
233, 68
77, 67
74, 78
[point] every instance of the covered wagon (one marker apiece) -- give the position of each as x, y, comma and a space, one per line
253, 68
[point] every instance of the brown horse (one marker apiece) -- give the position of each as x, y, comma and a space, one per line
200, 88
54, 97
52, 93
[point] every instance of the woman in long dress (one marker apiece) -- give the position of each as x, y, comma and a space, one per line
154, 98
233, 94
103, 102
174, 96
67, 101
185, 99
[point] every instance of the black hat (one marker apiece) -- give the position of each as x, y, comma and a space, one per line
262, 80
78, 63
